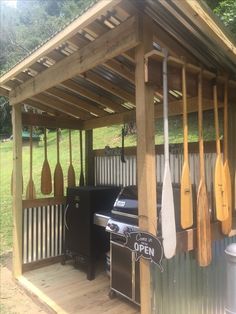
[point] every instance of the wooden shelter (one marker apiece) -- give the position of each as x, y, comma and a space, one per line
105, 68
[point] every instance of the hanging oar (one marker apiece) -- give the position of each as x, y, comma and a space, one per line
186, 215
221, 203
203, 213
71, 171
30, 190
58, 174
122, 156
167, 203
227, 224
46, 177
81, 179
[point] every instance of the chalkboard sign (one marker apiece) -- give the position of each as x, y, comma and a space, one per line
145, 245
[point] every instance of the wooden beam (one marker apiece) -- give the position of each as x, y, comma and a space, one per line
145, 159
17, 191
108, 86
89, 158
208, 24
85, 19
96, 97
50, 122
4, 92
76, 101
175, 109
54, 103
42, 107
111, 44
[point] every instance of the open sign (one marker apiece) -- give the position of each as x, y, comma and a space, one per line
145, 245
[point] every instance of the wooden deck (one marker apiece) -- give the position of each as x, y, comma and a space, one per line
65, 289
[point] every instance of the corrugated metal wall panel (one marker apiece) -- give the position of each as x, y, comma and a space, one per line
185, 288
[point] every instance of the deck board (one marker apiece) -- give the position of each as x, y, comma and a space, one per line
66, 290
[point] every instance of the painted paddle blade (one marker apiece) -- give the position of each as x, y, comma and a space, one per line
30, 190
186, 216
203, 227
58, 181
221, 203
71, 176
168, 215
46, 178
226, 225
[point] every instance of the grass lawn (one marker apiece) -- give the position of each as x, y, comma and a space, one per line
102, 137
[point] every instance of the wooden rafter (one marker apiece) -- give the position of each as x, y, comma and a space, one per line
76, 101
111, 44
55, 103
50, 122
175, 109
99, 8
44, 108
100, 99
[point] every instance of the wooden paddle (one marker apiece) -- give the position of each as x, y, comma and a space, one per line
227, 224
186, 215
167, 202
203, 214
46, 176
30, 190
71, 171
81, 179
58, 174
219, 179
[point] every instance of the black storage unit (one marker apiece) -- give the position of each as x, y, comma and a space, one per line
84, 240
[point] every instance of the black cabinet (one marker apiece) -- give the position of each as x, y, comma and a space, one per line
84, 240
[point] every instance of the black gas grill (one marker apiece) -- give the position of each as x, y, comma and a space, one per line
124, 270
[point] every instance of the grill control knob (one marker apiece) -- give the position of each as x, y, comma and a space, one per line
128, 229
114, 227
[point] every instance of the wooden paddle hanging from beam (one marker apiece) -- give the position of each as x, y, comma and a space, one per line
71, 170
221, 204
58, 174
204, 255
167, 202
227, 224
186, 215
30, 190
81, 178
46, 176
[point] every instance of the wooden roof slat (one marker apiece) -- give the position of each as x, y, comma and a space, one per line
41, 120
108, 86
61, 106
42, 107
4, 92
76, 101
100, 99
85, 19
111, 44
175, 108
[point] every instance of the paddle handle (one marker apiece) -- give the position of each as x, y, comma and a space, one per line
165, 105
185, 118
216, 118
226, 119
70, 148
58, 147
200, 127
81, 149
45, 144
31, 153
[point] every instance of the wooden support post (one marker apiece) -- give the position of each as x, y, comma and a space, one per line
232, 149
145, 158
89, 160
17, 191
